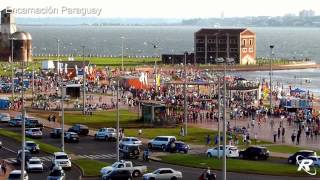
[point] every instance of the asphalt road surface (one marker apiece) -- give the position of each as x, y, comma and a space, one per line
105, 151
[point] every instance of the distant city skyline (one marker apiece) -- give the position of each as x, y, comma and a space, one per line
179, 9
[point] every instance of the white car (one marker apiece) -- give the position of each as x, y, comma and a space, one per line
231, 151
130, 141
34, 165
5, 117
124, 165
34, 133
163, 173
16, 175
161, 142
106, 134
61, 159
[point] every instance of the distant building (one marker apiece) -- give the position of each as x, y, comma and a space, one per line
307, 13
22, 41
212, 44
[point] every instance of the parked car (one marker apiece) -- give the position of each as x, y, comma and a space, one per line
118, 174
303, 154
178, 146
316, 161
34, 133
32, 147
129, 151
79, 129
161, 142
231, 151
27, 156
56, 133
124, 165
106, 134
16, 175
5, 117
163, 173
15, 122
254, 152
71, 137
33, 123
130, 141
57, 173
34, 165
61, 159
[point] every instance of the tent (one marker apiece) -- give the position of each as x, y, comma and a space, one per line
297, 90
46, 65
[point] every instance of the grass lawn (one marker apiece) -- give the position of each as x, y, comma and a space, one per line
108, 61
99, 119
195, 135
90, 167
286, 149
234, 165
43, 146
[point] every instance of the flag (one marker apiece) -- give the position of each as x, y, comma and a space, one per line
158, 80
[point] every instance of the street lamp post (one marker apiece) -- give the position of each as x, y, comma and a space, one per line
62, 118
12, 66
219, 116
23, 124
271, 56
185, 96
118, 120
224, 166
84, 83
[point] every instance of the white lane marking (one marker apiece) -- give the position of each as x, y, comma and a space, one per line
10, 150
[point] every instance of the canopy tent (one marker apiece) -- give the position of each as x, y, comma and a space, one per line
297, 90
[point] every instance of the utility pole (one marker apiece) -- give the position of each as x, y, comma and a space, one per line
224, 166
118, 120
62, 117
23, 125
271, 56
185, 96
219, 116
12, 66
84, 83
32, 83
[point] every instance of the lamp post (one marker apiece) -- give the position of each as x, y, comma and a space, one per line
185, 96
23, 124
84, 83
118, 121
271, 56
224, 166
155, 47
219, 115
12, 66
122, 51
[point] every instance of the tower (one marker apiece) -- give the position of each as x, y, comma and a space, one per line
8, 22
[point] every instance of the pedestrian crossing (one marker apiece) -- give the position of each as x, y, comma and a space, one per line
90, 156
98, 156
43, 158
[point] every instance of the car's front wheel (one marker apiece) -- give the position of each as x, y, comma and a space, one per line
241, 156
136, 174
163, 147
209, 155
173, 178
150, 146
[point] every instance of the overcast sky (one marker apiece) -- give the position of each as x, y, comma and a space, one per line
174, 8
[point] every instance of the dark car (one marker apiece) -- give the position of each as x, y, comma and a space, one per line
71, 137
15, 122
177, 146
27, 156
118, 174
33, 123
79, 129
57, 173
129, 150
32, 147
302, 155
56, 133
254, 152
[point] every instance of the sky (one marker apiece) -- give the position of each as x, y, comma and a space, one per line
166, 8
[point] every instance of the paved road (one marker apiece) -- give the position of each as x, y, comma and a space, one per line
9, 153
105, 151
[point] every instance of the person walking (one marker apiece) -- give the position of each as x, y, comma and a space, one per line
208, 140
298, 136
279, 132
274, 136
293, 136
283, 133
